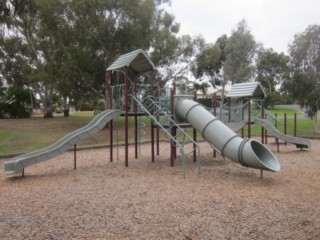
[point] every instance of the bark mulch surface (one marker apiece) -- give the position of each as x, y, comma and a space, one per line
104, 200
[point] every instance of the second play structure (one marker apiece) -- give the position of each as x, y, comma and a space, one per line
134, 92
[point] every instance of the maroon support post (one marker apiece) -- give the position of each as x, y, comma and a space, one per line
135, 118
158, 130
295, 125
194, 133
111, 122
126, 121
152, 126
215, 114
249, 118
285, 126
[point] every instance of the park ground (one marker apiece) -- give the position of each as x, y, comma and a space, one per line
103, 200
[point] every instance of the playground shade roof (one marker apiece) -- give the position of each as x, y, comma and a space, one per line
138, 60
252, 89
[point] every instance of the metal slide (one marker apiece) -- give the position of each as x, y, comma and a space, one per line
299, 142
247, 152
17, 164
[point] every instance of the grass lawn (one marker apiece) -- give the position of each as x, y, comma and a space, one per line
25, 135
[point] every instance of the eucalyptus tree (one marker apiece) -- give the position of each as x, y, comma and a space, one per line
305, 62
66, 46
272, 68
240, 51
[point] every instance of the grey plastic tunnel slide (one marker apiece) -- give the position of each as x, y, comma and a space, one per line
299, 142
247, 152
17, 164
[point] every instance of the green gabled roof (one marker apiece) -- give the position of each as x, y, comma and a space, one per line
251, 89
138, 60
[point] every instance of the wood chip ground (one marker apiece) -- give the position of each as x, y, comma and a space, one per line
103, 200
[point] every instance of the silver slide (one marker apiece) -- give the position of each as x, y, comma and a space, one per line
247, 152
17, 164
299, 142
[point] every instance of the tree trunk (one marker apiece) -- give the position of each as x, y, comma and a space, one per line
66, 112
48, 114
66, 109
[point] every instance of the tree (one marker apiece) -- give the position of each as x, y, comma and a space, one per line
203, 87
209, 62
240, 51
272, 69
66, 46
305, 62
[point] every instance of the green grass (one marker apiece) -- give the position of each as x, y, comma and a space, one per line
280, 111
25, 135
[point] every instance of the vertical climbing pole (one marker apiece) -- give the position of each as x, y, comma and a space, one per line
111, 122
126, 122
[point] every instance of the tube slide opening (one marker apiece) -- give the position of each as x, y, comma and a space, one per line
265, 156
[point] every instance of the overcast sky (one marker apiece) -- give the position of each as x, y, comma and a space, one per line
272, 22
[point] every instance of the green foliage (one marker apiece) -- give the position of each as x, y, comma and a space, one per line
64, 47
272, 99
208, 64
207, 102
240, 50
305, 62
272, 69
15, 102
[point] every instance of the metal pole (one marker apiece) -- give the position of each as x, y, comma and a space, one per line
75, 156
171, 141
135, 119
285, 126
126, 118
157, 129
152, 126
262, 116
295, 124
249, 118
215, 114
194, 133
111, 122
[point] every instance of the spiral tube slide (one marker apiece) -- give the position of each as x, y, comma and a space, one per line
247, 152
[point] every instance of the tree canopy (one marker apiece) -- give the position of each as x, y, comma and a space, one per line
305, 69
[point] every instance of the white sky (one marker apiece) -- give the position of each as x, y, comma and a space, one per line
272, 22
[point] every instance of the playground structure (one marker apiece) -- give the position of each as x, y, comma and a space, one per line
172, 114
134, 92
